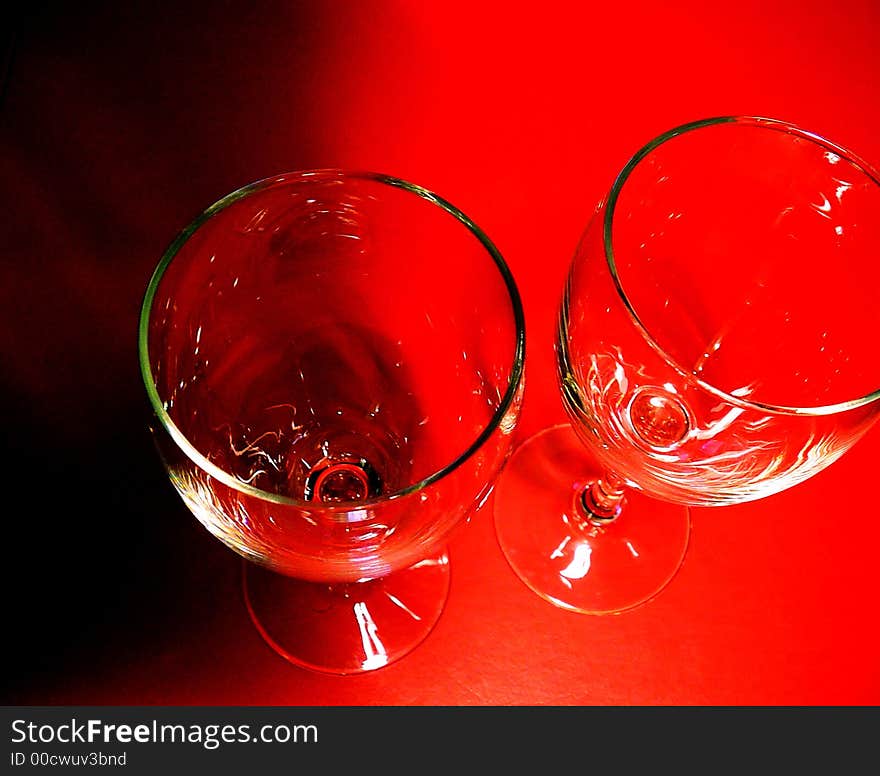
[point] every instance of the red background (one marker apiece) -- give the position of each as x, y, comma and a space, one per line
121, 121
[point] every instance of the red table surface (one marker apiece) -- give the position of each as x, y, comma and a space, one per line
120, 122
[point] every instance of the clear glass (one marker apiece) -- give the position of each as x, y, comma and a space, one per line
334, 361
716, 344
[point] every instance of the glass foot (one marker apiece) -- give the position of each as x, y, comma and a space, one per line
347, 628
565, 558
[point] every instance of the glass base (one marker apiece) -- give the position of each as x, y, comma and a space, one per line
565, 558
347, 628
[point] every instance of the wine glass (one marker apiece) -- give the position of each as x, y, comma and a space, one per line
716, 344
334, 362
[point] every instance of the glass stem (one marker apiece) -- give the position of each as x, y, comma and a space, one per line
602, 500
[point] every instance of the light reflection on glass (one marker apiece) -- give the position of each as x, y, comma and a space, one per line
376, 656
397, 602
580, 563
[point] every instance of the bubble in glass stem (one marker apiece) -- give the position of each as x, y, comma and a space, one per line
342, 482
658, 417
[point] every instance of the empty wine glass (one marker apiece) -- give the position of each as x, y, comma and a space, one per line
716, 344
334, 362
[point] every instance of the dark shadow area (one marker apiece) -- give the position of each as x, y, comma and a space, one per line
119, 123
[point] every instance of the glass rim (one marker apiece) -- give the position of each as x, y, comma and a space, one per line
610, 210
515, 373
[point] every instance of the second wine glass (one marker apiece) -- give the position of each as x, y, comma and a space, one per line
716, 345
